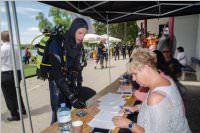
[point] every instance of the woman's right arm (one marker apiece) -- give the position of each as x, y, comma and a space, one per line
122, 122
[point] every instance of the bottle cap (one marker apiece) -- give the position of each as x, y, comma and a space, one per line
63, 105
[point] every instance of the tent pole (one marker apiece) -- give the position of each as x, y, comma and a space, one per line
108, 48
14, 63
21, 67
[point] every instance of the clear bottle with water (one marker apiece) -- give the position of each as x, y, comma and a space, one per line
64, 118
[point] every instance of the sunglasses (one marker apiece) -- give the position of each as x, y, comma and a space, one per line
166, 51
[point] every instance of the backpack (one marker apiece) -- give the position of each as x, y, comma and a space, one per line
42, 58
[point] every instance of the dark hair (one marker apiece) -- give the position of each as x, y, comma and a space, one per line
180, 49
161, 64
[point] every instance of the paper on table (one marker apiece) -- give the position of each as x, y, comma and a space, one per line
101, 124
106, 115
110, 108
116, 102
110, 96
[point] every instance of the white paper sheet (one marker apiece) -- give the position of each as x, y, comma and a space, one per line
106, 115
110, 108
101, 124
116, 102
110, 96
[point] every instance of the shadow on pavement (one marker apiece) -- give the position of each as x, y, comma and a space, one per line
41, 110
192, 101
34, 112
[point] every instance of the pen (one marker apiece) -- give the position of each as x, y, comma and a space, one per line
127, 110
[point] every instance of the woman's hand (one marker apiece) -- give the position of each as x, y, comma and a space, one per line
120, 121
129, 109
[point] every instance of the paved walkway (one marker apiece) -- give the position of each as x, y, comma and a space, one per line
39, 101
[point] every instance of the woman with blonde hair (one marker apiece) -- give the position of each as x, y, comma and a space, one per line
163, 109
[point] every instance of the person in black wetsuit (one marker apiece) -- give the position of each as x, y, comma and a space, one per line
65, 76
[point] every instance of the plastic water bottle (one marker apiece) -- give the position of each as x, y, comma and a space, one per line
64, 118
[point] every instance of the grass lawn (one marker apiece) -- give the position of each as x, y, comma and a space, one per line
29, 70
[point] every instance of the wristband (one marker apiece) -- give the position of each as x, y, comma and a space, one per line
131, 125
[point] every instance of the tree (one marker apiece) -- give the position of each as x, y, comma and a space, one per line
43, 22
60, 17
132, 30
100, 28
126, 31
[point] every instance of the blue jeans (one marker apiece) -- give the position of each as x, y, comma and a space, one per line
55, 98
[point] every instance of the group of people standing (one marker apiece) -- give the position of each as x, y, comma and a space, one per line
102, 52
123, 48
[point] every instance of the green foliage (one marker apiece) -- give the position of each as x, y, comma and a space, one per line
43, 22
89, 45
118, 30
132, 30
60, 17
100, 28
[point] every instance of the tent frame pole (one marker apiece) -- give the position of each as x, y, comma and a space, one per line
14, 64
90, 7
107, 26
21, 66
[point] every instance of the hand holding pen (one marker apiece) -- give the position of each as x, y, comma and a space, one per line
126, 110
129, 109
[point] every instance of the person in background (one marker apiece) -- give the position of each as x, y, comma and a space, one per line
123, 49
181, 57
27, 55
164, 40
100, 54
7, 78
105, 53
172, 63
163, 109
116, 50
130, 48
139, 40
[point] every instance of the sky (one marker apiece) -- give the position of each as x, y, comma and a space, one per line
26, 12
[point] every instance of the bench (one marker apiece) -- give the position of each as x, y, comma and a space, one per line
196, 65
193, 69
187, 70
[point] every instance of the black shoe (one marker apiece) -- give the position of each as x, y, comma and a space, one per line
13, 118
24, 112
